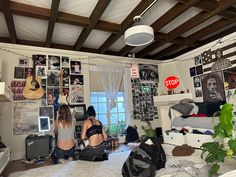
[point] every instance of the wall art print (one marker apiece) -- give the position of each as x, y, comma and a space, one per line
25, 122
148, 72
213, 87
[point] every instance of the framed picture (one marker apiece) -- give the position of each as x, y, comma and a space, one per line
19, 73
79, 112
23, 62
75, 67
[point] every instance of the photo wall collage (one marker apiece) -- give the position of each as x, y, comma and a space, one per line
143, 90
58, 74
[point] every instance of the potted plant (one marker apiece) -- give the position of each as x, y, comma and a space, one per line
215, 153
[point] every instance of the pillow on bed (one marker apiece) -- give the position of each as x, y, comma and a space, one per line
209, 108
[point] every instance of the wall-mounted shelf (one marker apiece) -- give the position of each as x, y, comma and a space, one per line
171, 99
5, 92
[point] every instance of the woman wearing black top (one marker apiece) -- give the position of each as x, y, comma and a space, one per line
94, 131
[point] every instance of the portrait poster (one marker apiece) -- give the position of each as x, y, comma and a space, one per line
76, 80
148, 72
197, 81
230, 78
75, 67
65, 62
76, 94
213, 87
29, 71
25, 122
40, 60
54, 62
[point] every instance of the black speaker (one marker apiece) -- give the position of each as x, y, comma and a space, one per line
37, 146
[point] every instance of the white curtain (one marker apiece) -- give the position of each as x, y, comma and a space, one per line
111, 78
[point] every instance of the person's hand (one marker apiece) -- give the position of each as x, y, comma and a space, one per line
216, 95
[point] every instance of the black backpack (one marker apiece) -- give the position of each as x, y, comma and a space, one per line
144, 160
131, 135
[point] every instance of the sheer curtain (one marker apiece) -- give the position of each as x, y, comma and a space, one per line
111, 78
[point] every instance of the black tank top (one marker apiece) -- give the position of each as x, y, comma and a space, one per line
94, 129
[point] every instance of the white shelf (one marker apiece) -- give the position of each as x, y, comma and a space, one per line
171, 99
5, 92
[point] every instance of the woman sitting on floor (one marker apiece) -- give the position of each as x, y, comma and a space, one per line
64, 127
94, 131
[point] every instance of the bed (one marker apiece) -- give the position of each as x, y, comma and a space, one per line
175, 166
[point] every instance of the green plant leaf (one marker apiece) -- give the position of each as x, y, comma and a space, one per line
232, 145
218, 132
226, 119
214, 169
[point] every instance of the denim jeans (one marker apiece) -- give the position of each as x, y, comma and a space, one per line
63, 154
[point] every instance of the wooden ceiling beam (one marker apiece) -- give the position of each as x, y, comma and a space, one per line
125, 25
96, 14
43, 13
53, 45
9, 20
166, 18
188, 25
51, 24
222, 23
210, 5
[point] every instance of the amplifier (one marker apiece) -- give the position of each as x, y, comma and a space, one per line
37, 146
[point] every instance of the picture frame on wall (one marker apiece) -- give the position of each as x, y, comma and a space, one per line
19, 73
79, 112
75, 67
23, 62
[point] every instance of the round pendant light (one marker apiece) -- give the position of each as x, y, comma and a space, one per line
139, 35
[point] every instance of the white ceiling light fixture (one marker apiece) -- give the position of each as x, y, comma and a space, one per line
139, 34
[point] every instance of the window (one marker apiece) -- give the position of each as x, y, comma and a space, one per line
117, 114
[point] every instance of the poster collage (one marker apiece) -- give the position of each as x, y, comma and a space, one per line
58, 74
143, 89
217, 85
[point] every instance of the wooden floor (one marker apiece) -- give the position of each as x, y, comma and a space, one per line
19, 165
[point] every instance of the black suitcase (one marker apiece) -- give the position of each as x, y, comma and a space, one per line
37, 146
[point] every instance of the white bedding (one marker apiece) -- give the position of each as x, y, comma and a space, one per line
175, 166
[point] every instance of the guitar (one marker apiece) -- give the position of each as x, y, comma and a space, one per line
33, 89
62, 97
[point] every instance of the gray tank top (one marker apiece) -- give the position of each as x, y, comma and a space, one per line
66, 133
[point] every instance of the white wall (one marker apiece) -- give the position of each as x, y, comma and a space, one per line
10, 60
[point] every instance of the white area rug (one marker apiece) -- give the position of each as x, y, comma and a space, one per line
189, 166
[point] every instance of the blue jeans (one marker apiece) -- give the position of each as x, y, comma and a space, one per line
59, 153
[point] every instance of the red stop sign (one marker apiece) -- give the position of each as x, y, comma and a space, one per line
171, 82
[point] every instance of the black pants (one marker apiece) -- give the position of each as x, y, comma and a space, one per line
63, 154
94, 153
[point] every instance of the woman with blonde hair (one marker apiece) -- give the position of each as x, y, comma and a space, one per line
64, 128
